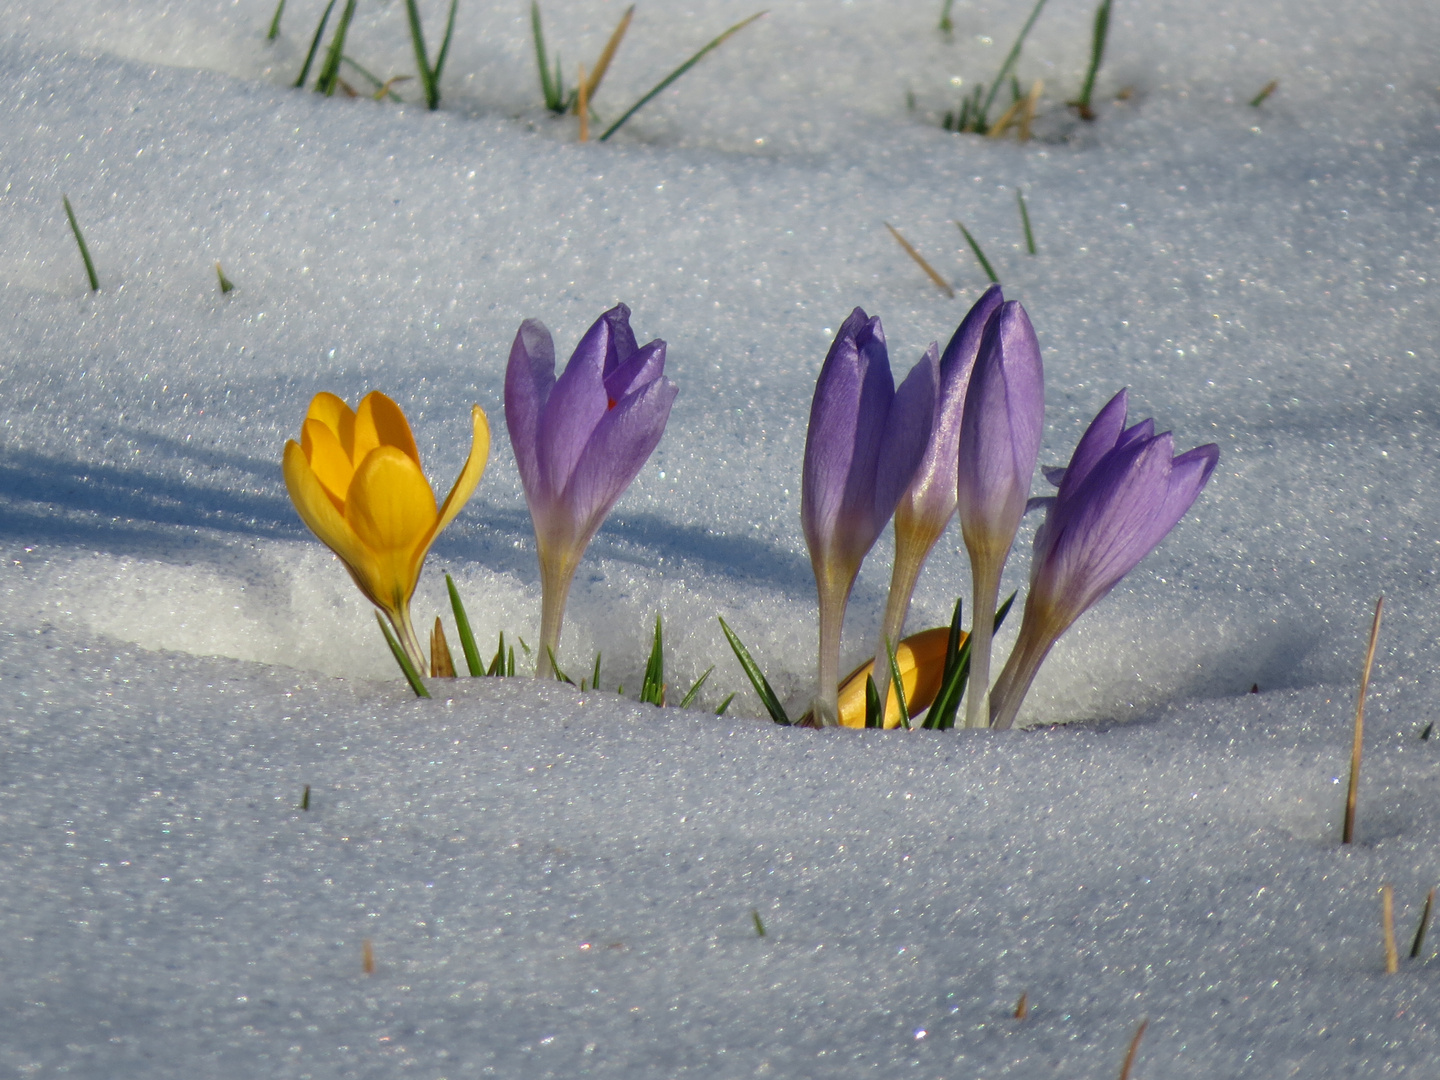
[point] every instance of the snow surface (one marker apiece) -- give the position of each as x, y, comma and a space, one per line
562, 885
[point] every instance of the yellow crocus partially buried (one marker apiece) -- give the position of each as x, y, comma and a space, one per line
356, 480
921, 660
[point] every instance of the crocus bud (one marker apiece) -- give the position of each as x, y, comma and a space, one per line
863, 445
1122, 492
579, 441
928, 504
999, 444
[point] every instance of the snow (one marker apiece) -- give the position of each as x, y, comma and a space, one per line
559, 884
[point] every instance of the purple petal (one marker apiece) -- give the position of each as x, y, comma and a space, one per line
577, 402
1111, 526
621, 444
642, 368
1098, 440
907, 435
529, 378
847, 419
1001, 430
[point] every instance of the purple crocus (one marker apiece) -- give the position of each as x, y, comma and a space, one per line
1122, 492
928, 504
999, 444
864, 443
579, 441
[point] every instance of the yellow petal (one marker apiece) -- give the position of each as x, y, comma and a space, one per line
328, 459
921, 659
335, 415
318, 512
379, 422
392, 510
464, 486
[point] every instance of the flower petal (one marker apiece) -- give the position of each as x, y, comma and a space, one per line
474, 468
379, 422
335, 415
907, 434
390, 505
645, 366
621, 444
319, 513
575, 405
529, 378
1098, 440
921, 660
328, 459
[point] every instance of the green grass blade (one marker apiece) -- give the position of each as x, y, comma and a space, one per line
652, 690
980, 255
1097, 54
724, 705
873, 718
942, 705
553, 101
411, 675
444, 46
1265, 91
226, 285
681, 70
947, 703
1009, 63
275, 22
945, 24
510, 664
695, 688
1025, 221
80, 240
462, 627
595, 675
559, 675
329, 76
759, 923
756, 677
899, 685
422, 60
497, 663
314, 45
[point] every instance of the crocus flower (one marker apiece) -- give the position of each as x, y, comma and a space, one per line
579, 441
999, 443
1121, 494
863, 446
926, 507
921, 660
356, 480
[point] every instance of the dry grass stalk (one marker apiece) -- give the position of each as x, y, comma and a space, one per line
1130, 1053
586, 90
1348, 833
930, 272
1008, 117
1387, 927
367, 957
1022, 1007
1032, 102
582, 105
442, 664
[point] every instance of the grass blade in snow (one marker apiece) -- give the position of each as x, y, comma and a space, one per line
329, 76
551, 87
1009, 63
1097, 53
80, 242
980, 255
314, 45
1025, 222
695, 688
946, 705
898, 684
462, 628
757, 678
275, 22
411, 675
652, 689
681, 70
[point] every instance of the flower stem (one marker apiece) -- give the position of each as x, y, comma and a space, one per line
1031, 648
834, 595
912, 548
556, 575
409, 640
985, 574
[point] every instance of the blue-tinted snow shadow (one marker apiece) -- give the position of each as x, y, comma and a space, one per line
166, 516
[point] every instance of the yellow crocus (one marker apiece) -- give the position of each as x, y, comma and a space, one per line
921, 660
356, 480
